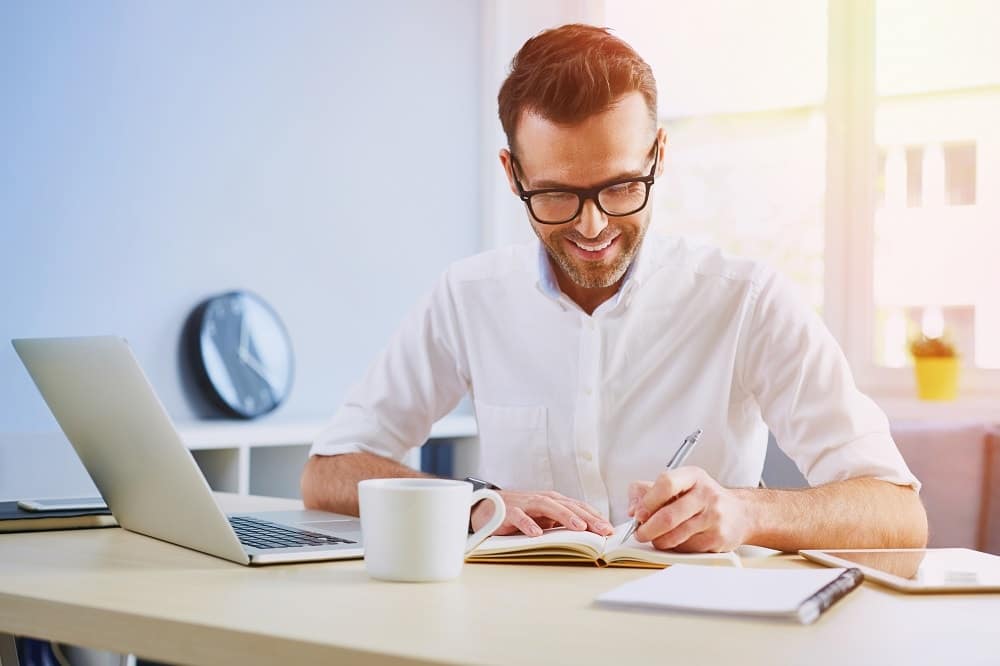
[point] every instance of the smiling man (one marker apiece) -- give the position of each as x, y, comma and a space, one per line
593, 352
591, 234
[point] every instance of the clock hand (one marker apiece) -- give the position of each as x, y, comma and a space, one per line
241, 350
245, 355
254, 365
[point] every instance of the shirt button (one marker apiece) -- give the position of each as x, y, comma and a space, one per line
587, 391
587, 455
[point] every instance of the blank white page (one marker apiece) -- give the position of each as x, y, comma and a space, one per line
723, 589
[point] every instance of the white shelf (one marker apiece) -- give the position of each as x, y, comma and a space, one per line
266, 457
963, 410
226, 434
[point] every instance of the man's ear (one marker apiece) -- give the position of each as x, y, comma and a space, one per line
661, 145
508, 168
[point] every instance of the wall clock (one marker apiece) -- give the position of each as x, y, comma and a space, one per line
241, 353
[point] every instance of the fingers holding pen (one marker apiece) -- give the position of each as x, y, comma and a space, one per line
668, 485
670, 518
688, 510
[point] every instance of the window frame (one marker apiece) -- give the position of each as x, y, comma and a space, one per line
852, 156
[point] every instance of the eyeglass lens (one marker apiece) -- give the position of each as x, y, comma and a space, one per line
619, 199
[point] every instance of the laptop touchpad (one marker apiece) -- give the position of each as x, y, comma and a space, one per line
333, 526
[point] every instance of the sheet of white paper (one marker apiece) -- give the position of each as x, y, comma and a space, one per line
722, 589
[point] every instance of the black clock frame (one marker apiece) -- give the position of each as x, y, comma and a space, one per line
192, 331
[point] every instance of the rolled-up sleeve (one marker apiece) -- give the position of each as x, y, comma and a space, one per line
418, 378
807, 395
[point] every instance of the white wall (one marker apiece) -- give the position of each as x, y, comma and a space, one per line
324, 155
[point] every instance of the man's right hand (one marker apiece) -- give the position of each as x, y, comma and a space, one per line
532, 512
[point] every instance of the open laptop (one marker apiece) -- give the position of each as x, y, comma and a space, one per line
149, 479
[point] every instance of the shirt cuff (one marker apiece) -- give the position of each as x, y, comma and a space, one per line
874, 455
340, 448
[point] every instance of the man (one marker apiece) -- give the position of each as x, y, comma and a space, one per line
592, 353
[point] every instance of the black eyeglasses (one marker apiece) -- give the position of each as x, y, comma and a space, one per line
559, 205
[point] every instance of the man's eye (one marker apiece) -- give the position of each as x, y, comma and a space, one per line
622, 188
555, 197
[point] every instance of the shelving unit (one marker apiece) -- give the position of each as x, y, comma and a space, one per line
966, 409
267, 458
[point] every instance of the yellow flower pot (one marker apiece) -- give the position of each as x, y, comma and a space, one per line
937, 377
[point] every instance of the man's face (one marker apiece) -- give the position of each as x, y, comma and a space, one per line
592, 251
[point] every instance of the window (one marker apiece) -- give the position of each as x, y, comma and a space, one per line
936, 109
754, 97
746, 158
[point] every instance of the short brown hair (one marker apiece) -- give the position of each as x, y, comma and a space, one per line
569, 73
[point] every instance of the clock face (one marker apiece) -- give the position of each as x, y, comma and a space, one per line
245, 353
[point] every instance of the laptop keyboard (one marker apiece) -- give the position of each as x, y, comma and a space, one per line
258, 533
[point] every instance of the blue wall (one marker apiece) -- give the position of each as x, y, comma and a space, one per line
321, 154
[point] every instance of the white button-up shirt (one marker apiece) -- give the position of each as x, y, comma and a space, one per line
584, 404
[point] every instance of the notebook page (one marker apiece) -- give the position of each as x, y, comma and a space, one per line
553, 537
723, 590
631, 549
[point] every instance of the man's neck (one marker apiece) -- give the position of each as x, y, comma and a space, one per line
588, 298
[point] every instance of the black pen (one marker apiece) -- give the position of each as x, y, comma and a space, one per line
675, 461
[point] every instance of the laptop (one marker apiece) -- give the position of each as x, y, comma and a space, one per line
149, 479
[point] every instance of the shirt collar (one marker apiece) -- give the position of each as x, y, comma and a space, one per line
546, 276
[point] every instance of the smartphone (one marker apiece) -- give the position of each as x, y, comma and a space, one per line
62, 504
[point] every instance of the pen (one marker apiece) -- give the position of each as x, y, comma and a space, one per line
675, 461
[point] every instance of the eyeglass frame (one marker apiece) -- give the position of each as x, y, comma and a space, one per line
585, 193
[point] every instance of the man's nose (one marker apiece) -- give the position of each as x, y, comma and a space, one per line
592, 221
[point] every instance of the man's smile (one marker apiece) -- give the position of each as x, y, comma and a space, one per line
592, 251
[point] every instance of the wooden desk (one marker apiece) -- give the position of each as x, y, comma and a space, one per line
111, 589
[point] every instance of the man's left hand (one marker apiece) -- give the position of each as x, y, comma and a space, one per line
686, 510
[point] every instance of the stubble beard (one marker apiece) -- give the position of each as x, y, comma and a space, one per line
595, 275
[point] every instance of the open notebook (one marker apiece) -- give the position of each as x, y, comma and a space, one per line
566, 546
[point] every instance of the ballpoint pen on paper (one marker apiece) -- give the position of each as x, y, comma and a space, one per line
675, 461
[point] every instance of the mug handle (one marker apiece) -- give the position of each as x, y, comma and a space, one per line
499, 513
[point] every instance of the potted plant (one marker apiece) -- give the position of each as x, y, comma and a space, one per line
936, 363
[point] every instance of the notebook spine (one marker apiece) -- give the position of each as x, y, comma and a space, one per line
829, 594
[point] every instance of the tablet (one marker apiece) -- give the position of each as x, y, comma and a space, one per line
919, 569
62, 504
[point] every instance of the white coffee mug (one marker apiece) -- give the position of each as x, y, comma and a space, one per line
418, 529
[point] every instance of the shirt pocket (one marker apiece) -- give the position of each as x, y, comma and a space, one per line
513, 446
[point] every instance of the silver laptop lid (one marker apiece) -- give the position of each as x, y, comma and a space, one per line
109, 412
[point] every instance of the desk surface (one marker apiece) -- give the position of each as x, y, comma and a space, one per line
112, 589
